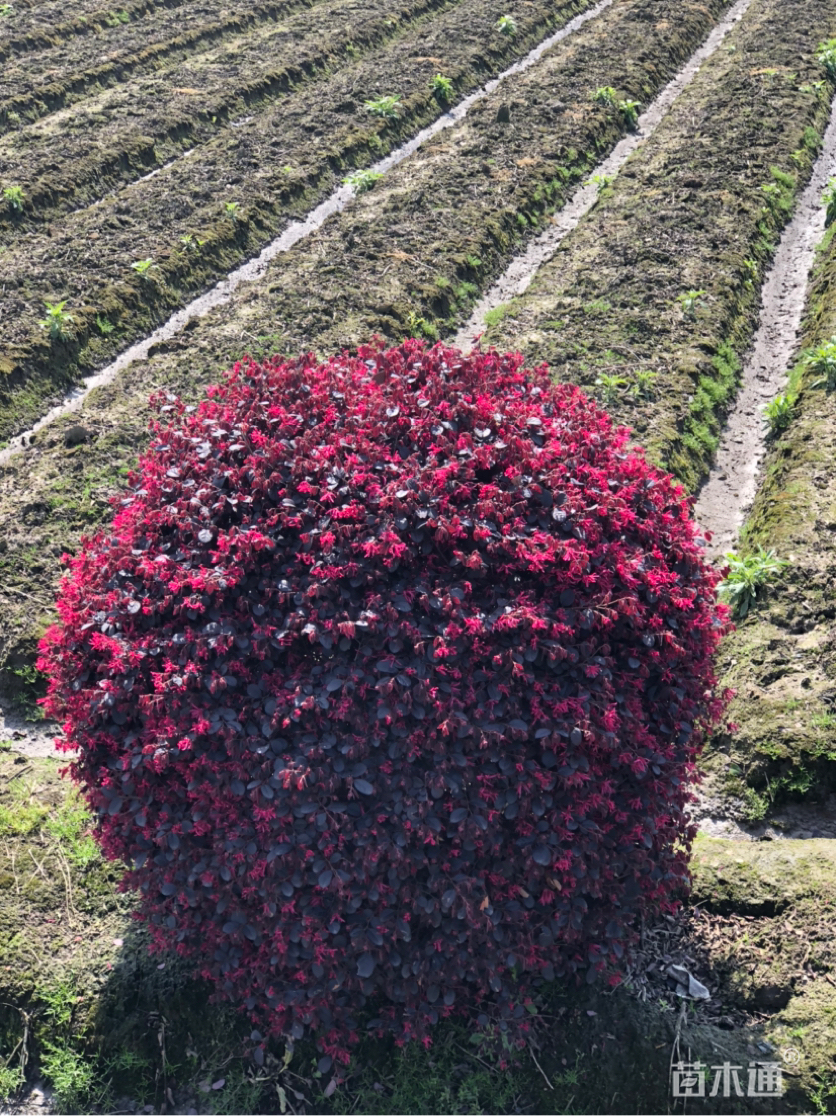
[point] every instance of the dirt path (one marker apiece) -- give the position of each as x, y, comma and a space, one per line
254, 269
727, 495
522, 269
275, 165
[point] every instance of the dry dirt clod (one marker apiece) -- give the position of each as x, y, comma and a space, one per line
76, 436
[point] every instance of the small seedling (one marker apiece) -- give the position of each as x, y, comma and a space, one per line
629, 112
778, 413
828, 200
610, 388
823, 360
6, 10
826, 56
420, 327
114, 19
746, 576
600, 180
506, 25
442, 88
362, 180
14, 198
231, 210
644, 384
104, 326
191, 243
387, 107
751, 267
143, 268
689, 302
57, 321
605, 95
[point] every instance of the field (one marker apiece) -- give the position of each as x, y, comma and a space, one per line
628, 190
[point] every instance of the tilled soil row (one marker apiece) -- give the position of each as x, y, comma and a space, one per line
650, 301
144, 124
84, 67
274, 167
44, 26
407, 257
781, 660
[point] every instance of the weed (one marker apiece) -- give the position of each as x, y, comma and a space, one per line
752, 271
779, 413
231, 210
600, 180
610, 388
6, 10
191, 243
690, 302
143, 268
605, 95
14, 198
826, 56
598, 308
824, 720
746, 576
822, 1095
69, 825
57, 321
420, 327
13, 118
10, 1079
72, 1077
473, 262
644, 384
387, 107
496, 315
442, 88
755, 805
506, 25
104, 327
828, 199
823, 360
629, 113
115, 19
362, 180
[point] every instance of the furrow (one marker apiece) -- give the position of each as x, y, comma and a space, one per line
154, 119
777, 771
34, 101
275, 167
43, 26
517, 277
148, 121
727, 495
409, 256
654, 296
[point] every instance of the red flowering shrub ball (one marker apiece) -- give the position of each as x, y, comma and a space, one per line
387, 683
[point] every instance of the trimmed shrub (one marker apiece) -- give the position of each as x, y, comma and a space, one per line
387, 684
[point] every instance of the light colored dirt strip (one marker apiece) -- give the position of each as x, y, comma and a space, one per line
652, 298
727, 495
778, 769
454, 211
522, 269
223, 98
280, 165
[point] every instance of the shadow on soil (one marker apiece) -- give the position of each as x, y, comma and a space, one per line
106, 1027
